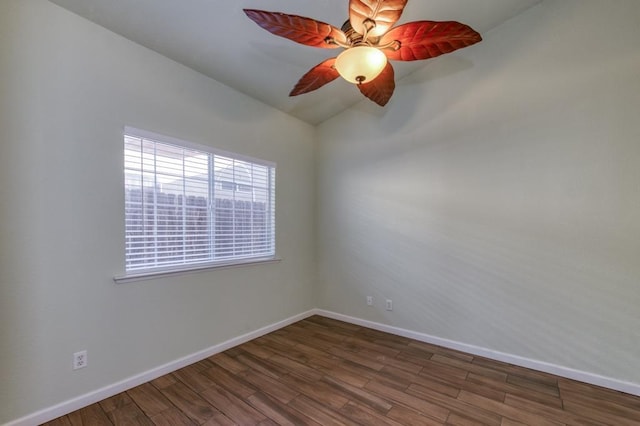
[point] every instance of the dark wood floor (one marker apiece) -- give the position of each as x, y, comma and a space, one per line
325, 372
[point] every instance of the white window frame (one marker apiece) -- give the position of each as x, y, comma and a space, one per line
138, 273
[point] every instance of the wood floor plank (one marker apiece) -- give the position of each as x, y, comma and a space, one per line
194, 378
550, 412
456, 419
233, 383
334, 371
469, 367
315, 340
202, 364
296, 367
523, 382
364, 415
409, 417
324, 333
335, 334
90, 415
450, 387
516, 370
319, 413
330, 322
267, 422
455, 405
258, 351
219, 419
270, 386
596, 412
129, 414
389, 343
508, 422
610, 405
149, 399
278, 339
318, 391
506, 410
228, 363
371, 334
356, 358
292, 352
441, 351
571, 387
482, 390
310, 351
263, 366
533, 395
364, 344
278, 411
321, 371
443, 371
361, 395
116, 401
163, 381
272, 345
60, 421
423, 406
396, 374
189, 402
407, 366
232, 406
172, 417
391, 378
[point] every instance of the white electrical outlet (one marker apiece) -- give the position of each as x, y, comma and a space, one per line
369, 300
389, 305
79, 360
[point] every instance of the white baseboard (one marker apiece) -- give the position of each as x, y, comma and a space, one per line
558, 370
71, 405
74, 404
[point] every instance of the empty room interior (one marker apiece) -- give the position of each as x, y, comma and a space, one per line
484, 223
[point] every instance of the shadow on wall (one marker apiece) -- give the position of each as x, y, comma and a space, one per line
410, 93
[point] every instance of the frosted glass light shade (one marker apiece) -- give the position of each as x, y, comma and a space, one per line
360, 64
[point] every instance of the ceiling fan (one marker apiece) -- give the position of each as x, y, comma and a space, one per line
369, 41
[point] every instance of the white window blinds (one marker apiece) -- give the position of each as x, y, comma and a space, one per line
187, 205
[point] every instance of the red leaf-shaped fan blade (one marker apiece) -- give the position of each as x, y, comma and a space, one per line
297, 28
381, 88
317, 77
384, 12
428, 39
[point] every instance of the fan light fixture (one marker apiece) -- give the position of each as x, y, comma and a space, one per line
360, 64
370, 38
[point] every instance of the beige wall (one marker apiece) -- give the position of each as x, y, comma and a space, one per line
67, 89
496, 199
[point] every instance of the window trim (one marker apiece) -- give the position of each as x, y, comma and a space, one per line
159, 272
191, 269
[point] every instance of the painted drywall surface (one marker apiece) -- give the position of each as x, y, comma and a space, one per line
496, 199
67, 89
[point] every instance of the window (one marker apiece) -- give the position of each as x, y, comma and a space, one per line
189, 206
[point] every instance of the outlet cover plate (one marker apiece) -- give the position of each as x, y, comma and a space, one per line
79, 360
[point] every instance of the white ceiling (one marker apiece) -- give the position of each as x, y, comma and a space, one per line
215, 38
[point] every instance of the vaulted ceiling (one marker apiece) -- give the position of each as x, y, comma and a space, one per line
215, 38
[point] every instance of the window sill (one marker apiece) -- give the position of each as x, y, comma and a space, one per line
189, 269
